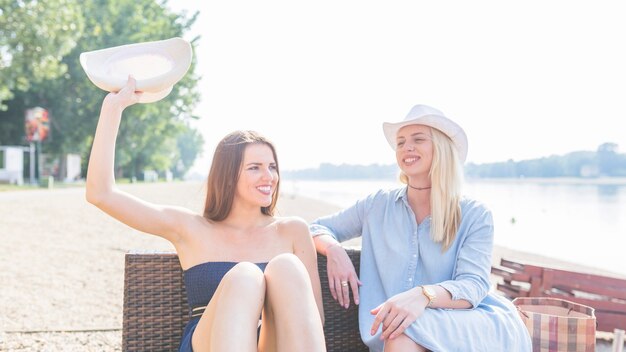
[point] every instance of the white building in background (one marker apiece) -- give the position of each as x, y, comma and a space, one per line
72, 168
12, 171
12, 164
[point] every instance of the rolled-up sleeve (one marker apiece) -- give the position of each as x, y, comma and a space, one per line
471, 275
345, 224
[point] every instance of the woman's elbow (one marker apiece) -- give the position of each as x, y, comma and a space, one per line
481, 292
95, 195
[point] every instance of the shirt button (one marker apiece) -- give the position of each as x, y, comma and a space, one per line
414, 255
410, 279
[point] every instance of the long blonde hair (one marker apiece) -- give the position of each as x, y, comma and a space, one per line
446, 176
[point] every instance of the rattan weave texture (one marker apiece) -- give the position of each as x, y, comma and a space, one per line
155, 306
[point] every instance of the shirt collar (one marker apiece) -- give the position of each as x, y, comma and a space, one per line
401, 193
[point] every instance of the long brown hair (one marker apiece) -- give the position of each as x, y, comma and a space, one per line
225, 170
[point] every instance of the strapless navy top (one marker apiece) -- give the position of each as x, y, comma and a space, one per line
201, 280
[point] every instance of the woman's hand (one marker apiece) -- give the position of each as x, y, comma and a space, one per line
398, 312
126, 97
341, 275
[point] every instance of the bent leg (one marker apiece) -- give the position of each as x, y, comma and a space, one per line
403, 343
291, 320
230, 321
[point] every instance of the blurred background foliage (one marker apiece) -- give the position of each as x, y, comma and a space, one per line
40, 45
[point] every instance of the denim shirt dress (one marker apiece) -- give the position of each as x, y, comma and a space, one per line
398, 254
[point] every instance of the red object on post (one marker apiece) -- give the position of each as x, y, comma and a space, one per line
36, 124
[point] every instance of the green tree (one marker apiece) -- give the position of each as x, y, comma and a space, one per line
34, 36
608, 159
190, 143
149, 132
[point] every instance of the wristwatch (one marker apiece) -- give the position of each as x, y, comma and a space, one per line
430, 293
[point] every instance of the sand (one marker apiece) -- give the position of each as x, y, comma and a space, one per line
62, 263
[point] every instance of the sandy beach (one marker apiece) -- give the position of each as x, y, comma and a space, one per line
62, 263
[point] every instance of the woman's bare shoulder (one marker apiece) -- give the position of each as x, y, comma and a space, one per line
193, 224
291, 226
294, 221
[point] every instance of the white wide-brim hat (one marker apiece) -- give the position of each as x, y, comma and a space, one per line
156, 66
429, 116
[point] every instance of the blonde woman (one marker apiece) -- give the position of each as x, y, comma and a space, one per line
426, 251
251, 277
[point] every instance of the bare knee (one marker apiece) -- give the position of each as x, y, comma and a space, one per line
245, 277
232, 315
245, 270
403, 343
286, 266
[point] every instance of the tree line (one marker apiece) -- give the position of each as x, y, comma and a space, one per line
604, 162
40, 44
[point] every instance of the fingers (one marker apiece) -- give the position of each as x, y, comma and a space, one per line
394, 323
342, 292
390, 325
131, 83
131, 86
400, 330
380, 316
126, 96
331, 286
341, 278
355, 283
338, 292
129, 95
343, 286
345, 293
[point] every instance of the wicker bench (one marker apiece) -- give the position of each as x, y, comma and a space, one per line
155, 306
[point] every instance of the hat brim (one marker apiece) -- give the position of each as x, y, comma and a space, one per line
440, 122
156, 66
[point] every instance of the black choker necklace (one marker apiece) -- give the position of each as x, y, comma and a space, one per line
419, 188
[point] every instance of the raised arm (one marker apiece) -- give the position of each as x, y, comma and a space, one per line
101, 189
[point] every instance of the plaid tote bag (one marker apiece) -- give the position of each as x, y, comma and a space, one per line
558, 325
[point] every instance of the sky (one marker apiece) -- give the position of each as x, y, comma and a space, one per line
524, 79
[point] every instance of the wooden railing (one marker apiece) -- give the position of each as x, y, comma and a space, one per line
607, 295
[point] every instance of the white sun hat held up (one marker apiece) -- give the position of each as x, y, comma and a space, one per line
156, 66
429, 116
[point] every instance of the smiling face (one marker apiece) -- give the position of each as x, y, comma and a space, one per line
258, 177
414, 150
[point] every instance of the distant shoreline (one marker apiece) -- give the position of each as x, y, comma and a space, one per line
601, 181
616, 181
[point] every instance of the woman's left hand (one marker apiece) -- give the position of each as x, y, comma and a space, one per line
398, 312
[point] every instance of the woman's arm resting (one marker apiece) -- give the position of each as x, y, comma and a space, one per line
340, 270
